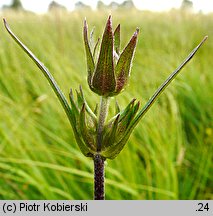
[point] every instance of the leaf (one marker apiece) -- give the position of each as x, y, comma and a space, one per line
46, 73
113, 151
56, 89
166, 83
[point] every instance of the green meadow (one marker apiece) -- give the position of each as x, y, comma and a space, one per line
168, 156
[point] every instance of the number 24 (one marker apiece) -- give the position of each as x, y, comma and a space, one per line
203, 207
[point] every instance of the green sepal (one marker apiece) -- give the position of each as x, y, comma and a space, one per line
122, 114
103, 80
117, 107
91, 38
84, 148
74, 108
109, 137
119, 139
125, 121
126, 110
87, 136
117, 39
90, 60
95, 49
88, 109
96, 109
123, 67
113, 150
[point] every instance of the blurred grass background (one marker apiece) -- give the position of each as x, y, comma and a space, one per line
169, 155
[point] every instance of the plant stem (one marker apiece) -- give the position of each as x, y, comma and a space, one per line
98, 177
98, 159
102, 117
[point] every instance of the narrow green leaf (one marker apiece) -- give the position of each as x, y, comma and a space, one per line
163, 86
45, 71
56, 89
113, 151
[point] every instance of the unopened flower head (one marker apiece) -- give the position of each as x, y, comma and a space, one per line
108, 75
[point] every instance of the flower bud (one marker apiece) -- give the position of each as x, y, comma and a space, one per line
109, 75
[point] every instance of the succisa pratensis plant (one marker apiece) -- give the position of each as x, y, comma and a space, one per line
108, 74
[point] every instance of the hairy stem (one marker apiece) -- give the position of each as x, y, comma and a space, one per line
101, 120
98, 177
98, 159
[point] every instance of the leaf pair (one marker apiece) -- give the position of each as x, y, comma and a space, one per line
83, 120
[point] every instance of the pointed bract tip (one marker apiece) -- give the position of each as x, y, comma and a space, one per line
205, 38
109, 21
136, 32
5, 22
138, 104
118, 28
133, 100
83, 107
118, 116
85, 22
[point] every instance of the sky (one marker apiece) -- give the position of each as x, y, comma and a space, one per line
40, 6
